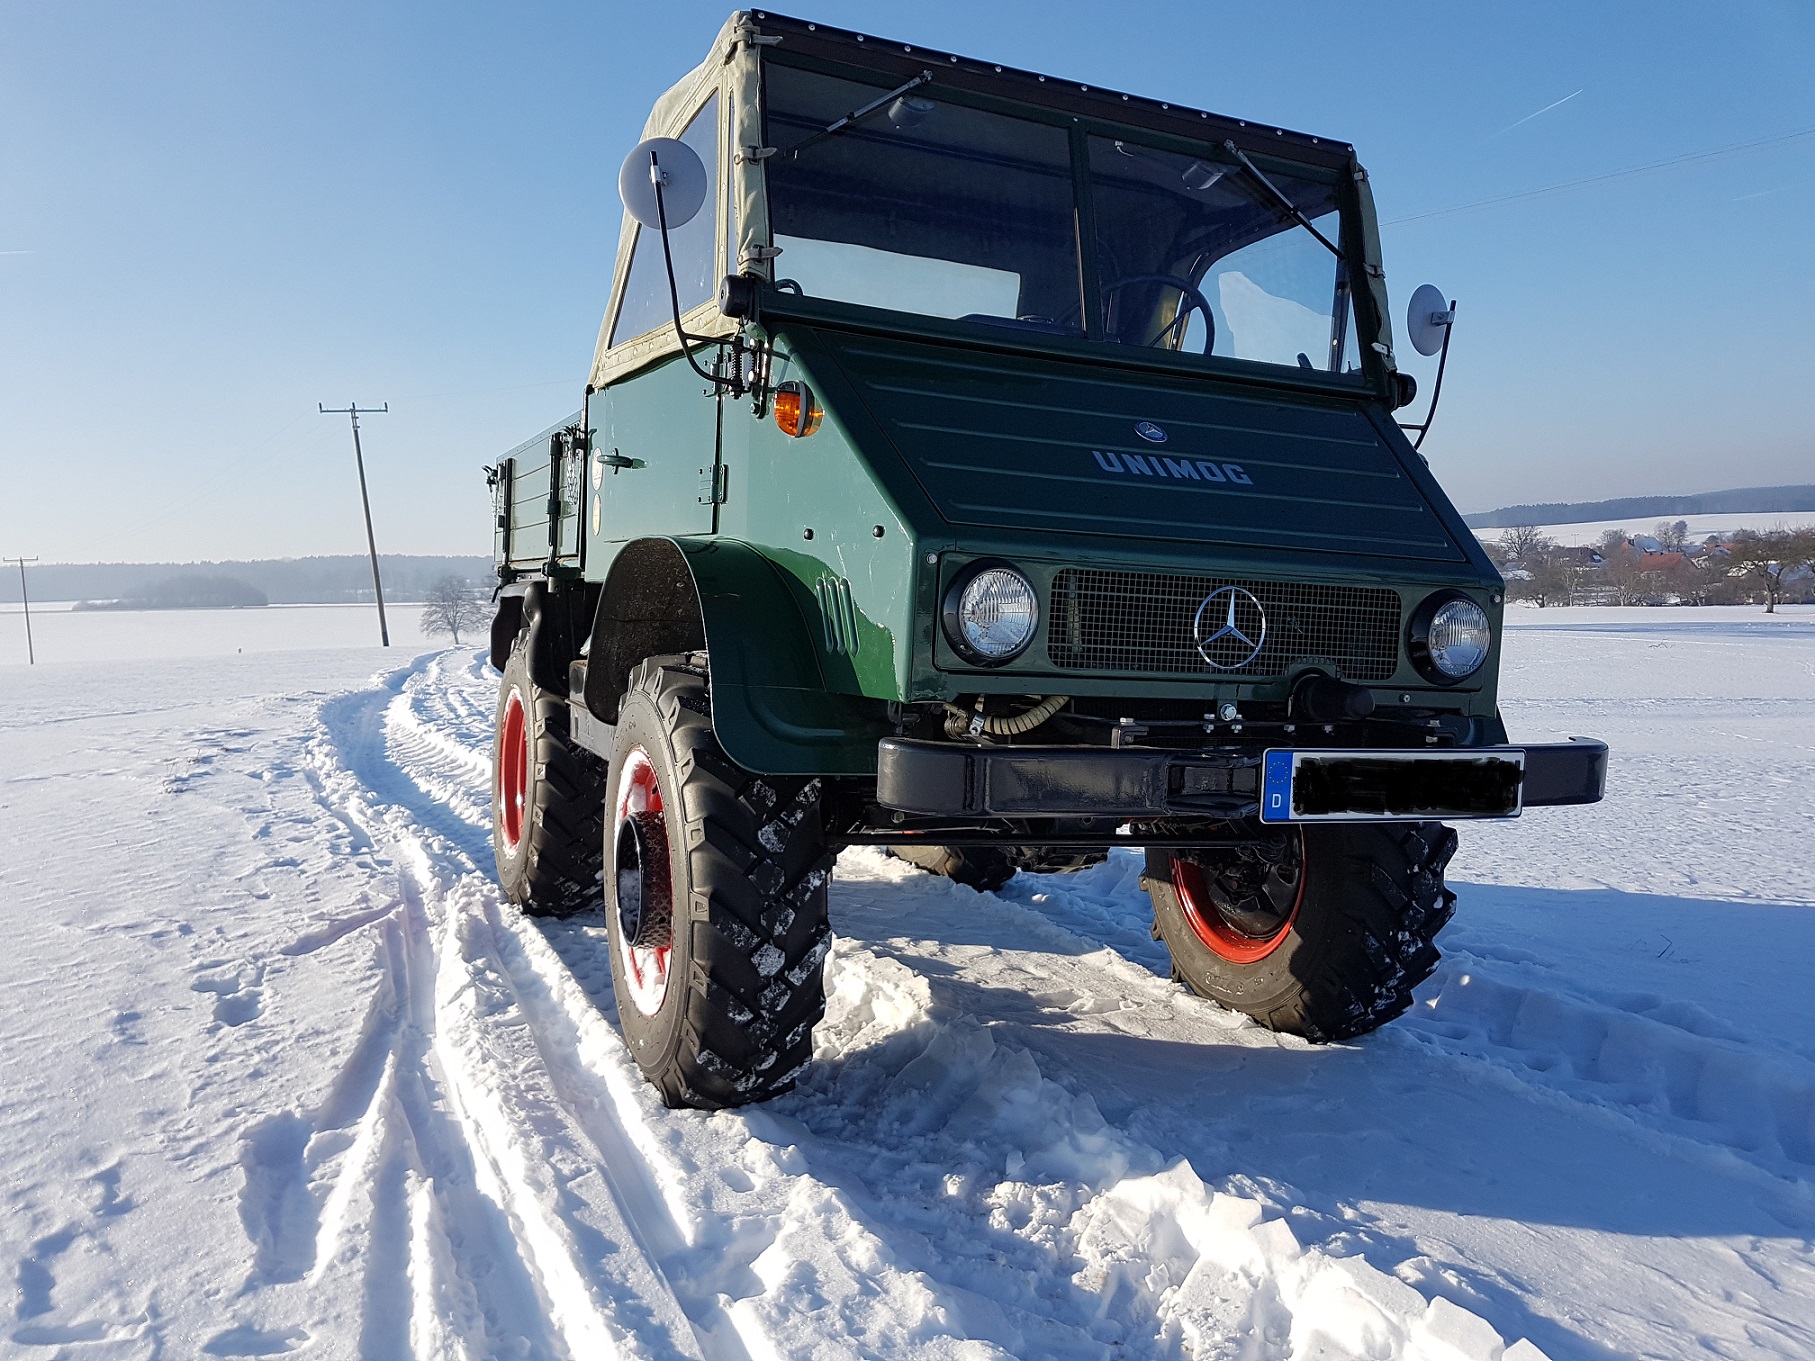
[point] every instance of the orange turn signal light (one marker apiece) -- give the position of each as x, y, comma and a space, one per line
795, 410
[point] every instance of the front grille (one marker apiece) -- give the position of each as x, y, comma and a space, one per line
1142, 622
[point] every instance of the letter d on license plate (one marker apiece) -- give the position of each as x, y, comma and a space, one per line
1361, 786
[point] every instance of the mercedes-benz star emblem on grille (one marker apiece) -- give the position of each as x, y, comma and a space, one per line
1230, 628
1150, 432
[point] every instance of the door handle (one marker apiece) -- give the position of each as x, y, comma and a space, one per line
614, 460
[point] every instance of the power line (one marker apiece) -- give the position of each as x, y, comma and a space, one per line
353, 410
31, 656
1670, 163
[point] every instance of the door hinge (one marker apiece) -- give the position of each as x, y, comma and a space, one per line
713, 482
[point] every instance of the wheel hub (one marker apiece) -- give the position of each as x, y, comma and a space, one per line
642, 877
645, 896
1242, 905
513, 771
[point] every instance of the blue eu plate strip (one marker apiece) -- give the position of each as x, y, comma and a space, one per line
1276, 787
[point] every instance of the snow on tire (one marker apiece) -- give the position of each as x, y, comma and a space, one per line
1321, 932
548, 799
717, 955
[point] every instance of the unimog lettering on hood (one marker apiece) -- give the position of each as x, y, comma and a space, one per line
1001, 471
1184, 469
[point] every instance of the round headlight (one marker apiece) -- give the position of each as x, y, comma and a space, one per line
1459, 638
990, 616
1450, 638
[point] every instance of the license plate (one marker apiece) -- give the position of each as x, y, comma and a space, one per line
1364, 786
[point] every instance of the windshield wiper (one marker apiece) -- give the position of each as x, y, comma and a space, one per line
838, 125
1284, 202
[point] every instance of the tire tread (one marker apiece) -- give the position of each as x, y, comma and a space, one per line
1379, 939
563, 836
759, 870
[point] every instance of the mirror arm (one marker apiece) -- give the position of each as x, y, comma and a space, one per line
1437, 387
674, 293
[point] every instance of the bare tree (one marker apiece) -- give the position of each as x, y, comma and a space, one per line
1612, 542
1536, 568
1558, 577
1521, 542
452, 605
1765, 560
1672, 535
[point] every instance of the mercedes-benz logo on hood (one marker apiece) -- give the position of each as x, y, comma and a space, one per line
1230, 628
1150, 432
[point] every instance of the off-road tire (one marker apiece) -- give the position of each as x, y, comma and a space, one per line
984, 868
553, 868
748, 878
1362, 937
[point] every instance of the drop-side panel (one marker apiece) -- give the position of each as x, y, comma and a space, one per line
530, 537
1000, 440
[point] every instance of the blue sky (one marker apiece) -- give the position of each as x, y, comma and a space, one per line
218, 214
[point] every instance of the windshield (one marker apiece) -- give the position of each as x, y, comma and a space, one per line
920, 204
1195, 254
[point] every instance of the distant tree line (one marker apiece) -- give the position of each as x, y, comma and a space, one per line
337, 580
200, 592
1734, 501
1663, 568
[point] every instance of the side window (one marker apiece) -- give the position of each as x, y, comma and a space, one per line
694, 246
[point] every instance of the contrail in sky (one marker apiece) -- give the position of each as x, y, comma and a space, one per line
1546, 109
1670, 163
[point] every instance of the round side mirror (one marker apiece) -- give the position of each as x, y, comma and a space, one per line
677, 168
1427, 319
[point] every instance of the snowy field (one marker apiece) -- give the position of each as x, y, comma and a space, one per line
280, 1074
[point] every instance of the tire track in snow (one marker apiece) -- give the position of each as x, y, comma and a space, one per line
1665, 1067
1669, 1068
551, 1219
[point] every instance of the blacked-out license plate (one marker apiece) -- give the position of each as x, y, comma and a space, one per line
1359, 786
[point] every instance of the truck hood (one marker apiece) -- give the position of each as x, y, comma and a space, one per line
1072, 447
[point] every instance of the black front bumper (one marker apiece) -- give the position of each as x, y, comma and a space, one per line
1144, 784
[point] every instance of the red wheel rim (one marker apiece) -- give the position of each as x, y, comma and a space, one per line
645, 969
513, 771
1217, 934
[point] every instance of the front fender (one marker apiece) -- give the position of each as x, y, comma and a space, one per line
771, 709
770, 705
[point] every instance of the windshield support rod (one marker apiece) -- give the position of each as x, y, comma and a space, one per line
839, 125
1284, 202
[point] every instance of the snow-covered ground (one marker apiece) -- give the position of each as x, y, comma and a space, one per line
280, 1073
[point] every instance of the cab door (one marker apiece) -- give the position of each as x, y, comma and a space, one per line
655, 464
656, 457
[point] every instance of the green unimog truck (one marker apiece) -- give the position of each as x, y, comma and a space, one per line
1000, 470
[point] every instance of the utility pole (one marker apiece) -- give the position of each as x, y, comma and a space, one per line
31, 657
353, 410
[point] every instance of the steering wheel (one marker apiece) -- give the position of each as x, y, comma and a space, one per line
1191, 295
